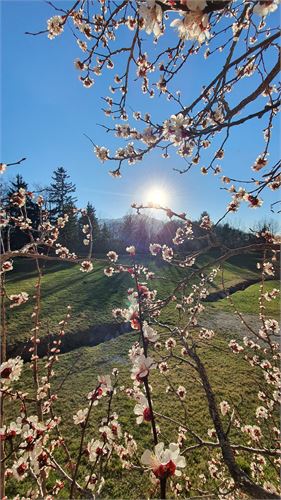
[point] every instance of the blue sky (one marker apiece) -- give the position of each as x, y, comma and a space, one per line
46, 111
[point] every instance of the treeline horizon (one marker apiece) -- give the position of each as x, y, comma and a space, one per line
132, 229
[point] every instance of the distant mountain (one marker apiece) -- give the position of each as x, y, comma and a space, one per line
115, 225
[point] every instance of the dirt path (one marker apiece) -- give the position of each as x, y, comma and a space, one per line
228, 322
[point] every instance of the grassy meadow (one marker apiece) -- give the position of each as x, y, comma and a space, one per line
92, 297
246, 301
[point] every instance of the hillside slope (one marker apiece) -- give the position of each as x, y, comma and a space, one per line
91, 296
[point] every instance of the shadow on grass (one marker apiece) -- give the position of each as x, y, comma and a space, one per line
89, 337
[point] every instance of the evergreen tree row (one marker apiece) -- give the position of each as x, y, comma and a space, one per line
59, 199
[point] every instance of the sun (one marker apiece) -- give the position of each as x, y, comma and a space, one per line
156, 196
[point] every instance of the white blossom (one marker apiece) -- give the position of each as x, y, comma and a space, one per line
151, 13
10, 370
80, 416
149, 333
263, 8
164, 462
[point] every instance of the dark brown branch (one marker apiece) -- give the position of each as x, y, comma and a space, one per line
242, 480
251, 97
212, 6
16, 162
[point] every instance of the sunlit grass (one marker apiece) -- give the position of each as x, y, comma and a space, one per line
79, 368
92, 296
247, 301
85, 364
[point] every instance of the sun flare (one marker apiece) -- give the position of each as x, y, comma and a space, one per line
156, 196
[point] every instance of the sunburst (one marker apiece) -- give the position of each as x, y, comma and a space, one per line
156, 196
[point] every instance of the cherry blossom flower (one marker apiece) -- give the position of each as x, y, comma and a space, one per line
102, 153
265, 7
272, 324
236, 348
271, 295
87, 82
148, 332
132, 314
108, 271
194, 4
273, 377
270, 487
20, 468
170, 343
224, 407
262, 412
260, 162
142, 367
193, 26
4, 220
79, 65
96, 448
113, 257
82, 44
154, 248
212, 433
105, 383
95, 395
3, 167
206, 334
181, 392
18, 199
233, 205
118, 313
213, 469
94, 484
18, 299
151, 13
86, 266
55, 26
253, 431
206, 222
167, 253
176, 128
10, 370
267, 268
115, 428
163, 462
131, 250
254, 201
62, 252
142, 411
163, 367
80, 416
106, 433
6, 266
135, 352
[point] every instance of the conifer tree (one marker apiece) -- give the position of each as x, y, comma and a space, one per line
19, 237
62, 202
60, 192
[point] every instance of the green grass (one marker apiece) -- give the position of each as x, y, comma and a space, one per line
92, 296
86, 363
247, 301
237, 269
